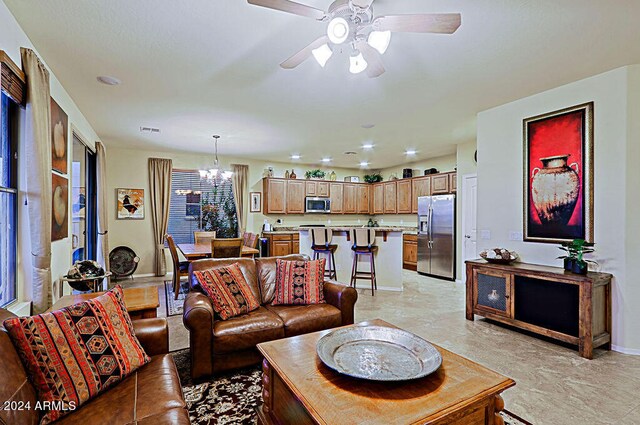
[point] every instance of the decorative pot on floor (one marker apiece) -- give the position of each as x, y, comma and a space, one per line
555, 189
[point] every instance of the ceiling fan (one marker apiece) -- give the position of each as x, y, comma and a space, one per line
353, 22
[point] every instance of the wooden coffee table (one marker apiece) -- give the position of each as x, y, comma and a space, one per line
141, 302
299, 389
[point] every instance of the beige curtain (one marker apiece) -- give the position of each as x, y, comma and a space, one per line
103, 216
159, 197
38, 177
240, 196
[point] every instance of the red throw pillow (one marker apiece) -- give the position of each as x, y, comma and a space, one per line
228, 290
75, 353
299, 282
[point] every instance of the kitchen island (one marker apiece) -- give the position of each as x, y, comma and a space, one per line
388, 258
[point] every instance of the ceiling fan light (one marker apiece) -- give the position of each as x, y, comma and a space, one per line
379, 40
338, 30
322, 54
213, 172
357, 64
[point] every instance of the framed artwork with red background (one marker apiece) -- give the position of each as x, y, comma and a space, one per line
558, 175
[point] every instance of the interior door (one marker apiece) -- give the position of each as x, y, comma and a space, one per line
469, 219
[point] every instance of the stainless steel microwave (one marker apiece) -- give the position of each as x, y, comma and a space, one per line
317, 205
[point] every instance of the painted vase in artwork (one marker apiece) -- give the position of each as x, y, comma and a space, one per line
554, 189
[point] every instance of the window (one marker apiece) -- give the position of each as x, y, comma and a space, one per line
197, 205
8, 202
83, 204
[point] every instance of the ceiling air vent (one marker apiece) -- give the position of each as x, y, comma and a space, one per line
149, 130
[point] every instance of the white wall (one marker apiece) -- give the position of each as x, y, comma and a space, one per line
616, 97
127, 168
12, 37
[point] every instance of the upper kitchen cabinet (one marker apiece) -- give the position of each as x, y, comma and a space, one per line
440, 184
378, 198
274, 196
390, 197
295, 196
453, 182
403, 203
364, 198
420, 186
349, 198
336, 196
314, 188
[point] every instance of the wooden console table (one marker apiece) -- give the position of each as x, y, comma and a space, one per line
545, 300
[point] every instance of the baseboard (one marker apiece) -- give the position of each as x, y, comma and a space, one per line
623, 350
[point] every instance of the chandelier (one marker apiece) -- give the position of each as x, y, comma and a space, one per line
215, 175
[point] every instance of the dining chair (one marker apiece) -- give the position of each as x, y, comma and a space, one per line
180, 268
250, 240
226, 248
204, 237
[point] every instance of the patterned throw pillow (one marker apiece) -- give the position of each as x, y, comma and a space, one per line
228, 290
299, 282
75, 353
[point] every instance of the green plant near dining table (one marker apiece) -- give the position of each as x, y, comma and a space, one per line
315, 174
373, 178
574, 260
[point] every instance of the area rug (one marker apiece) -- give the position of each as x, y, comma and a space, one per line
175, 306
230, 399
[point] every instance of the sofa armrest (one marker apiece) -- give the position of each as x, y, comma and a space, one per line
198, 318
153, 335
343, 297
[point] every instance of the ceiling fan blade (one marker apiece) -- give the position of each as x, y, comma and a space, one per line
443, 23
375, 67
290, 7
362, 3
304, 54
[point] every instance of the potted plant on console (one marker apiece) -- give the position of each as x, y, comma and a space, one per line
574, 259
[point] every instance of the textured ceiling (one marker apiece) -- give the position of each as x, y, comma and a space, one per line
198, 67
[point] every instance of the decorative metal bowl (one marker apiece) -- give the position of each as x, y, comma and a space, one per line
378, 353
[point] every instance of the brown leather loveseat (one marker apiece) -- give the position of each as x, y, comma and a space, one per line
219, 345
151, 395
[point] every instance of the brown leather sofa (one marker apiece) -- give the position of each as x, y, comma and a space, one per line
152, 395
219, 345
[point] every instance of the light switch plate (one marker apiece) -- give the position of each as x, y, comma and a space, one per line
485, 234
515, 236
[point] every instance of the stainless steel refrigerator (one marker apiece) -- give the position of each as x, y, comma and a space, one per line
437, 236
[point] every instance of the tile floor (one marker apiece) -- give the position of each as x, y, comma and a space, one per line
554, 385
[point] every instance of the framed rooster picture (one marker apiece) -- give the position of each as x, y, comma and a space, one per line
130, 204
558, 175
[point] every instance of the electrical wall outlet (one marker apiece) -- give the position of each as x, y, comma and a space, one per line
279, 221
515, 236
485, 234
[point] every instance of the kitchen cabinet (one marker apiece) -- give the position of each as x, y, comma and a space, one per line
295, 196
315, 188
390, 197
410, 252
378, 198
403, 197
283, 243
336, 191
275, 195
349, 198
440, 184
453, 182
364, 198
420, 186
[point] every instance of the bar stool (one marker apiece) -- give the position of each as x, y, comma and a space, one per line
364, 243
321, 244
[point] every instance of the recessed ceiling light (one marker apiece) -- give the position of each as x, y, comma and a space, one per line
109, 81
364, 164
367, 146
368, 125
295, 156
326, 160
410, 152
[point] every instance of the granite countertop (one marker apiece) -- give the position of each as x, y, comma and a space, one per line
283, 230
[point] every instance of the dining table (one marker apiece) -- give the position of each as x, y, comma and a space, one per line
197, 251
